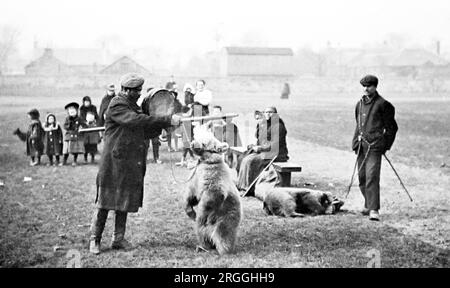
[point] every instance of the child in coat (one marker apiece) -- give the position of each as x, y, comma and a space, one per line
91, 139
53, 139
73, 141
33, 137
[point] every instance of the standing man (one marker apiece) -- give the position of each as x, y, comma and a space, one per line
110, 93
120, 179
374, 135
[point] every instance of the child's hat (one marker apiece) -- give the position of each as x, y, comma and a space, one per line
72, 104
48, 115
34, 113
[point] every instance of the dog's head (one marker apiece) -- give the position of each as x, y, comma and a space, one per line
205, 143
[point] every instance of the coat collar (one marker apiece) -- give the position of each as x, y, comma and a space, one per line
367, 100
132, 105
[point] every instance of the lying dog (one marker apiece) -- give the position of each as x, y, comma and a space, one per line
292, 201
218, 213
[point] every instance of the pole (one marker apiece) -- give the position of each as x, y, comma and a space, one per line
202, 118
401, 182
256, 179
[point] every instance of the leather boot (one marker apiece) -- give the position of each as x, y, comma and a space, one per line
97, 227
120, 222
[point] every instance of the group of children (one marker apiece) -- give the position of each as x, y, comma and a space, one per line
48, 138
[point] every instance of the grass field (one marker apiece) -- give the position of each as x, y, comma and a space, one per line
41, 220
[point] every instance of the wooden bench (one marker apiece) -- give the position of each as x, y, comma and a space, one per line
284, 168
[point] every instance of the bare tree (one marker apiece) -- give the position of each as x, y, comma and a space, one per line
8, 45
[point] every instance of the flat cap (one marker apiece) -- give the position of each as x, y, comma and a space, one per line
131, 80
111, 87
72, 104
369, 80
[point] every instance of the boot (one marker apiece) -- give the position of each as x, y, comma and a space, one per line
94, 247
118, 241
121, 244
374, 215
97, 227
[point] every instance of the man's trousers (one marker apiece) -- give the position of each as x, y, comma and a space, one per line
369, 177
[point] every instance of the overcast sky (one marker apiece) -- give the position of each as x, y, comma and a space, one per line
192, 24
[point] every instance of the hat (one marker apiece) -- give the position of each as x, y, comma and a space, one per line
34, 113
49, 115
369, 80
72, 104
87, 98
111, 87
131, 80
188, 86
271, 109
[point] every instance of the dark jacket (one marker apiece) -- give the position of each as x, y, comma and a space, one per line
72, 125
188, 98
272, 146
53, 139
103, 106
35, 138
91, 137
375, 122
120, 179
84, 110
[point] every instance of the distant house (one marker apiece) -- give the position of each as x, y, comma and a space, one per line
48, 64
419, 62
416, 58
83, 60
80, 60
124, 65
256, 61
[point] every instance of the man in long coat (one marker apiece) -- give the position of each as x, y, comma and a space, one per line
120, 179
374, 135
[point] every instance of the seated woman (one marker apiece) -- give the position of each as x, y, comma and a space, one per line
271, 144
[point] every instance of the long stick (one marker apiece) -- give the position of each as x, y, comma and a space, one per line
401, 182
254, 181
185, 119
201, 118
351, 180
92, 129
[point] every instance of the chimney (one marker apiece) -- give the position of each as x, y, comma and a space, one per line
438, 47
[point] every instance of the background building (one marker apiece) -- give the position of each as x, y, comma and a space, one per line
256, 61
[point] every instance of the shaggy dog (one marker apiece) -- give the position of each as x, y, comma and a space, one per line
292, 201
212, 190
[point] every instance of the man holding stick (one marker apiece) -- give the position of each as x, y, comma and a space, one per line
120, 179
375, 133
